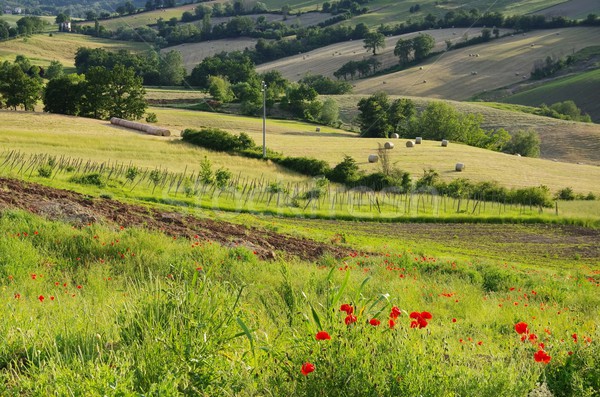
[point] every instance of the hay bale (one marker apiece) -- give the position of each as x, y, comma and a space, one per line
444, 142
424, 81
373, 158
148, 129
418, 140
388, 145
459, 167
410, 144
318, 129
395, 136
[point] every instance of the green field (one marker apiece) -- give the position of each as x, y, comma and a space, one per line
582, 88
144, 18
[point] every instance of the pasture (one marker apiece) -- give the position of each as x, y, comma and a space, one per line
42, 49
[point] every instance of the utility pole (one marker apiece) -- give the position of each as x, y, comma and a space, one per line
264, 92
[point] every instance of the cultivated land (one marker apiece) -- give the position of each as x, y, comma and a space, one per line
575, 9
42, 49
194, 53
328, 59
98, 141
500, 63
582, 88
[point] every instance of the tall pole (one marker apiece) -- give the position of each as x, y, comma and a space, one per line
264, 91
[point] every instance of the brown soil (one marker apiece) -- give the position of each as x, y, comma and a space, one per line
75, 208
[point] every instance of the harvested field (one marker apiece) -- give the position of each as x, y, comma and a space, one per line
194, 53
575, 9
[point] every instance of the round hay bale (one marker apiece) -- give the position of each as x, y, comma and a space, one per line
388, 145
424, 81
444, 142
420, 67
410, 144
373, 158
395, 136
318, 129
418, 140
459, 167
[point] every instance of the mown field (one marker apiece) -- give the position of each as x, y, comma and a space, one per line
582, 88
500, 63
42, 49
99, 141
576, 9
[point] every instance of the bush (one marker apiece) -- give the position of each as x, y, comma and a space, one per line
565, 194
525, 143
216, 139
305, 165
345, 172
45, 171
151, 118
380, 181
88, 179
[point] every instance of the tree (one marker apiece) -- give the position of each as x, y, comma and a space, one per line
54, 70
525, 143
17, 88
171, 69
403, 50
401, 114
347, 171
62, 18
220, 89
373, 117
373, 41
63, 94
486, 34
125, 94
4, 30
422, 44
330, 112
93, 101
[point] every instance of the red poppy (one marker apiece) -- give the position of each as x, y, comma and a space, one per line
323, 335
307, 368
453, 320
17, 296
392, 323
374, 322
41, 298
414, 324
395, 312
574, 336
542, 357
521, 328
420, 319
532, 337
350, 319
347, 308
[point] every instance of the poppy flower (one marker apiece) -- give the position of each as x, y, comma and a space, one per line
521, 328
374, 322
395, 312
41, 298
347, 308
350, 319
574, 336
323, 335
542, 357
453, 320
307, 368
420, 319
532, 337
392, 323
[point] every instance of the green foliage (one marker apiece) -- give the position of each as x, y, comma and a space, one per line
216, 139
220, 89
525, 143
346, 172
63, 94
151, 117
45, 171
373, 117
94, 179
54, 70
330, 113
326, 86
17, 89
171, 69
222, 178
131, 173
374, 41
306, 165
565, 194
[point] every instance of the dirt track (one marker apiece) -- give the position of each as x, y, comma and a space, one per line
75, 208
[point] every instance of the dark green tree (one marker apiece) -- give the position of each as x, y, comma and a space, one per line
373, 117
125, 94
17, 88
423, 44
403, 50
63, 94
374, 41
525, 143
171, 69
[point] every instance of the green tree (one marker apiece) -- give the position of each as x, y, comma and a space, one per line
125, 94
373, 41
373, 117
54, 70
171, 69
441, 121
403, 50
94, 99
63, 94
525, 143
61, 18
220, 89
422, 45
347, 171
17, 88
330, 112
4, 30
401, 114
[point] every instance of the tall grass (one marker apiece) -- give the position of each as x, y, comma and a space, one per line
128, 312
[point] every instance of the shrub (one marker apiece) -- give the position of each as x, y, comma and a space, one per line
345, 172
216, 139
565, 194
305, 165
222, 178
88, 179
151, 118
525, 143
45, 171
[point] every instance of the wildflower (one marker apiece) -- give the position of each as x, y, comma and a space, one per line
17, 296
542, 357
307, 368
395, 312
374, 322
420, 319
574, 336
392, 323
41, 298
350, 319
347, 308
323, 335
532, 338
521, 328
453, 320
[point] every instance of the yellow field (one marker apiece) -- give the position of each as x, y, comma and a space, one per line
194, 53
99, 141
328, 59
42, 49
500, 63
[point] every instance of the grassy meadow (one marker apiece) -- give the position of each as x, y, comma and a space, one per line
103, 310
